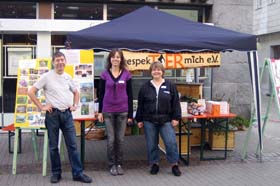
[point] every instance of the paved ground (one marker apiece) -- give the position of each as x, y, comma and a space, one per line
232, 171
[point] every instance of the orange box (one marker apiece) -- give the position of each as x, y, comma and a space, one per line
215, 109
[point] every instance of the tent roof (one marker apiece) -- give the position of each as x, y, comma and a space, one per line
153, 30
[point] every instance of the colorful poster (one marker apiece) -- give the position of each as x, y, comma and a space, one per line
27, 115
81, 68
143, 60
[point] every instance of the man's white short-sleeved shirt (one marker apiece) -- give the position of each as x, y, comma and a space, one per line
58, 89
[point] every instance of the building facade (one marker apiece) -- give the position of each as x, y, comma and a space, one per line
266, 26
38, 28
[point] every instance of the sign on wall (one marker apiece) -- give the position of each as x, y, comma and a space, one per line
143, 60
79, 66
14, 56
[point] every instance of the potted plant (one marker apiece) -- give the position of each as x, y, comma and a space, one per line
239, 122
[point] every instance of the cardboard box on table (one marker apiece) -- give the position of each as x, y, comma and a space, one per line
217, 107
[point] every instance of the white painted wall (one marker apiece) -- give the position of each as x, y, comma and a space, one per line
43, 45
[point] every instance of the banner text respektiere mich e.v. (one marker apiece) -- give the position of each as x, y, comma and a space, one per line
143, 60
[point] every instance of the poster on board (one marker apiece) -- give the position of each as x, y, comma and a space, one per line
27, 114
80, 67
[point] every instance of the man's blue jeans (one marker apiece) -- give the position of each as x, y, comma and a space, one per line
115, 126
167, 133
64, 121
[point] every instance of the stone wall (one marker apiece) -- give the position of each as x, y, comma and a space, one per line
231, 81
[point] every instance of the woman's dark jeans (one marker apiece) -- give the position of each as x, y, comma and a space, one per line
115, 126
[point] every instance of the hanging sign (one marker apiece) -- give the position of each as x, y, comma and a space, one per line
143, 60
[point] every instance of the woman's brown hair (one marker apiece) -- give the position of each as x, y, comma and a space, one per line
159, 65
111, 54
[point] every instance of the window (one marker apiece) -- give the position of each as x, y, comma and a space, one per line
187, 14
84, 11
193, 13
99, 62
276, 52
118, 10
19, 10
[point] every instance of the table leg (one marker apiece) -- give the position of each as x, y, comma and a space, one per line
186, 162
203, 126
202, 140
19, 140
188, 133
82, 142
226, 136
180, 138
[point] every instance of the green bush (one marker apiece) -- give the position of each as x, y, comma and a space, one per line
239, 122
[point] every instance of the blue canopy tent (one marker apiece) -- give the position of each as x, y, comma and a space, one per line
147, 29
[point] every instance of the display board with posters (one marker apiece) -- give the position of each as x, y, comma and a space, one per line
27, 114
79, 66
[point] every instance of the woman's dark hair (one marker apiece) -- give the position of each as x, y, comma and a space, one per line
111, 54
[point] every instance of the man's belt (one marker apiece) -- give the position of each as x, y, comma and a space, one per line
61, 110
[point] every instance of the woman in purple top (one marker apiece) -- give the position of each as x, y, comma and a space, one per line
115, 107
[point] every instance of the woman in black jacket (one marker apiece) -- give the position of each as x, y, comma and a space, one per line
159, 112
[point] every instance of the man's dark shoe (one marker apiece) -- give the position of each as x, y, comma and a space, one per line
154, 169
55, 178
113, 170
82, 178
176, 171
120, 170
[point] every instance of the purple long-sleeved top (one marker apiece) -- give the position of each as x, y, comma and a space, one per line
116, 93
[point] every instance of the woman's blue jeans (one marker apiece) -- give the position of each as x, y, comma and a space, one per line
64, 121
115, 126
167, 133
